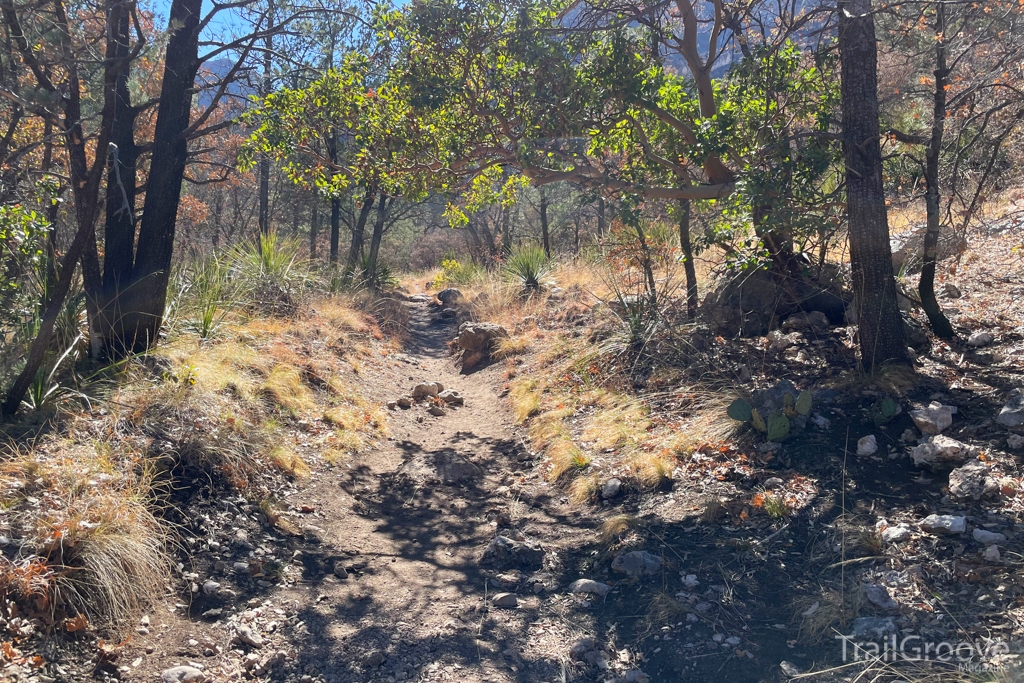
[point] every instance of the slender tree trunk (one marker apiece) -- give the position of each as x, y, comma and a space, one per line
359, 230
545, 238
926, 288
688, 265
85, 186
335, 228
264, 164
600, 218
314, 228
295, 221
506, 230
882, 337
376, 237
143, 302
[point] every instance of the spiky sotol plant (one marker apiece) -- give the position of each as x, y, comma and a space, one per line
528, 266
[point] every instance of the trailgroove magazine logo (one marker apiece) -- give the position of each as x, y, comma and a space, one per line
970, 656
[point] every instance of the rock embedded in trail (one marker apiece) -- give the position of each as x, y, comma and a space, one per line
896, 534
1012, 414
986, 537
637, 563
449, 296
879, 596
426, 390
183, 674
874, 628
972, 481
1015, 442
933, 419
867, 445
589, 586
507, 600
944, 525
452, 397
941, 452
437, 411
506, 553
404, 402
245, 634
611, 488
979, 339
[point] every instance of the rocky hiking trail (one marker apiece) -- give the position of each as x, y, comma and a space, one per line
386, 581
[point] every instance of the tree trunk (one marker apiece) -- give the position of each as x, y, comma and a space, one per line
85, 186
600, 217
545, 238
688, 266
142, 303
264, 165
335, 228
376, 237
119, 229
506, 230
926, 288
314, 227
882, 337
359, 230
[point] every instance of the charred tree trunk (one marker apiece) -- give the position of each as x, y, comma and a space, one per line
142, 302
688, 265
314, 228
882, 337
545, 237
335, 228
926, 288
359, 230
376, 237
506, 230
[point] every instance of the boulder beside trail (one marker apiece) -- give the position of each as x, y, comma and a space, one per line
449, 297
478, 341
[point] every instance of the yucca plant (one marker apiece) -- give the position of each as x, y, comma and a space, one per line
209, 288
382, 276
528, 266
267, 257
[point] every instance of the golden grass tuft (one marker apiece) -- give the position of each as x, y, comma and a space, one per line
285, 388
614, 528
584, 489
103, 551
289, 462
549, 426
565, 457
652, 472
525, 395
512, 346
619, 421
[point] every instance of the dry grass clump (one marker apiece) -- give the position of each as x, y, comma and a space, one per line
90, 542
820, 613
615, 527
618, 421
652, 472
564, 457
289, 462
584, 489
525, 395
512, 346
285, 388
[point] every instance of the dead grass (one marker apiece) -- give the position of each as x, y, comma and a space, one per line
584, 489
652, 472
525, 395
289, 462
89, 517
564, 457
512, 346
617, 526
822, 614
620, 421
285, 388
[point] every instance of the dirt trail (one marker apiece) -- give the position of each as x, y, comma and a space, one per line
406, 522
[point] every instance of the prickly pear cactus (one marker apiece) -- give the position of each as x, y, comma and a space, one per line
883, 411
740, 410
778, 427
776, 412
